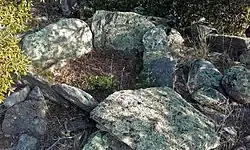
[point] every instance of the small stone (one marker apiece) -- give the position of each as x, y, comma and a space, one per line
16, 97
77, 96
26, 142
203, 74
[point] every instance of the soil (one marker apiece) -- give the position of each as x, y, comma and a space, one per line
115, 66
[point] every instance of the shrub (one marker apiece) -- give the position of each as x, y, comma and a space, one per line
228, 16
102, 83
13, 64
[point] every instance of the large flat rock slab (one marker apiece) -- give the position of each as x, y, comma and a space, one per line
155, 118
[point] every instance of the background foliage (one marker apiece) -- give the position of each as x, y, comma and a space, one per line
228, 16
13, 19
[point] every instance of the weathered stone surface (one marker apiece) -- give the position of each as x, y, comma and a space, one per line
155, 43
245, 58
160, 44
77, 96
36, 94
28, 116
236, 83
16, 97
26, 142
103, 140
174, 41
53, 45
155, 118
233, 45
121, 31
212, 98
162, 72
203, 74
216, 116
45, 88
159, 54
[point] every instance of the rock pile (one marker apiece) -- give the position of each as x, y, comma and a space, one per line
189, 102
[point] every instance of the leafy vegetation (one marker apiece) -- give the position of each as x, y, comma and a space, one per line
102, 83
13, 64
230, 17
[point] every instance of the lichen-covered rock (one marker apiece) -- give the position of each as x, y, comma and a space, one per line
236, 83
215, 115
28, 116
46, 89
212, 98
203, 74
160, 44
121, 31
245, 59
155, 43
174, 41
160, 51
101, 140
53, 45
155, 118
26, 142
233, 45
16, 97
77, 96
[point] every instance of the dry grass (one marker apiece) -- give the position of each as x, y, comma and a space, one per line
115, 66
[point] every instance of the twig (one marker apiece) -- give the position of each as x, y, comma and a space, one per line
58, 141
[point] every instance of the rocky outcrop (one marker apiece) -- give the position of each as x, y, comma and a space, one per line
162, 41
154, 118
46, 115
56, 43
161, 71
33, 124
45, 87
